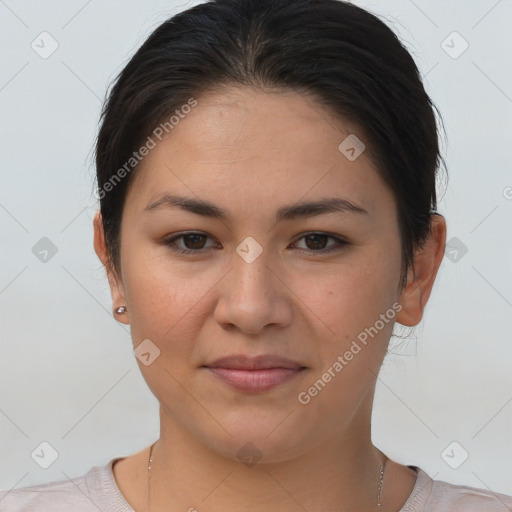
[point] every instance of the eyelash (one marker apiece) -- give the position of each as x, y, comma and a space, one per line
340, 243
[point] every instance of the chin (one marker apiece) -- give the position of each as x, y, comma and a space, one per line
263, 440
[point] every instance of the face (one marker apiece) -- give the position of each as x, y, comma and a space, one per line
315, 286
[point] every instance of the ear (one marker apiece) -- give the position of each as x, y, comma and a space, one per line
114, 280
420, 281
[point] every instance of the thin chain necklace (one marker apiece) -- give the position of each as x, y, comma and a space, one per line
379, 488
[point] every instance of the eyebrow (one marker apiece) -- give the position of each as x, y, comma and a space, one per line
289, 212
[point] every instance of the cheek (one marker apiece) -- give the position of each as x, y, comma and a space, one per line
162, 300
352, 296
350, 302
165, 307
170, 301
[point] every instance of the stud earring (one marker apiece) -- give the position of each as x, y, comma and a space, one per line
121, 310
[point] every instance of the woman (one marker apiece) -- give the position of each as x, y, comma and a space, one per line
266, 174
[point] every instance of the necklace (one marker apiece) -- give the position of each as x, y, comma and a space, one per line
379, 488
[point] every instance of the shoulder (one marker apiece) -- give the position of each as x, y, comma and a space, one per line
462, 497
437, 496
96, 490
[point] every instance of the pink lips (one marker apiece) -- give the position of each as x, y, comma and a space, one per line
254, 373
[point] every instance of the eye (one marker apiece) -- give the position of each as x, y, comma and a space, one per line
194, 242
315, 242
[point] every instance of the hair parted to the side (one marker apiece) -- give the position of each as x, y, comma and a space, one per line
332, 51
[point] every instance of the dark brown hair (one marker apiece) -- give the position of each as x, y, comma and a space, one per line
344, 57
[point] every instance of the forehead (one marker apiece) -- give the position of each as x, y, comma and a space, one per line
240, 121
247, 145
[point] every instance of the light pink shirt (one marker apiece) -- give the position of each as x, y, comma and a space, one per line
97, 491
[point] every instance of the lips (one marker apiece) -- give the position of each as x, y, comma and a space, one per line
241, 362
254, 374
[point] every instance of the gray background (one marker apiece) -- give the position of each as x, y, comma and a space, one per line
67, 372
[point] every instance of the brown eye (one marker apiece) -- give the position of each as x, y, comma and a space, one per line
317, 242
192, 243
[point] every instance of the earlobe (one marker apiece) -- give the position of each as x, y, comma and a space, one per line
114, 281
421, 278
410, 300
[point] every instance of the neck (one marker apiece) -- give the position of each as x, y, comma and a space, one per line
336, 474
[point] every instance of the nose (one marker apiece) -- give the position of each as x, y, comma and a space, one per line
253, 296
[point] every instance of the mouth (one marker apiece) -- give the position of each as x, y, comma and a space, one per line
256, 374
